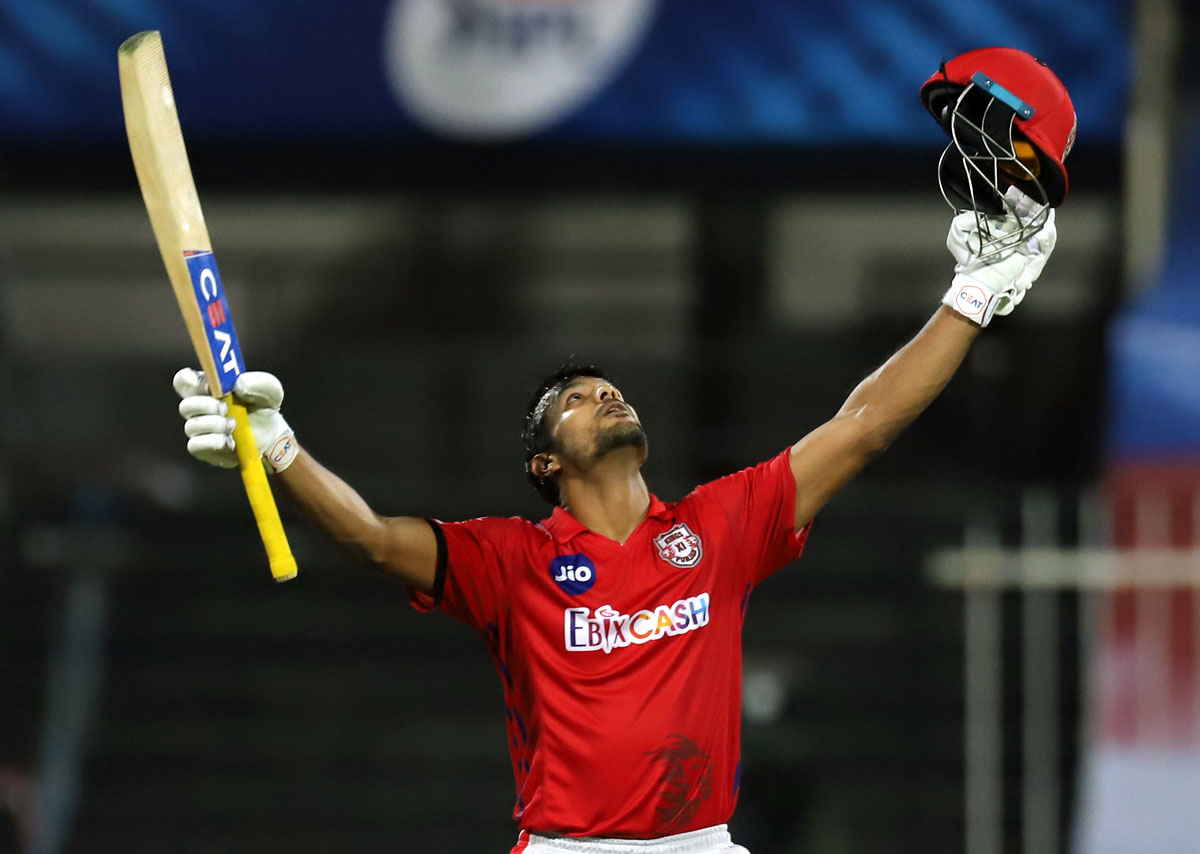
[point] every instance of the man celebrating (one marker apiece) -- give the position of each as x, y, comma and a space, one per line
615, 623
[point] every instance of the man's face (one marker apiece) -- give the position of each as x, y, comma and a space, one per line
591, 420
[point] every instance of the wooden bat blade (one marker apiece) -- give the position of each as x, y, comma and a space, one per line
165, 176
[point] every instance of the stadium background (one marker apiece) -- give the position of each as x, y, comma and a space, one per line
738, 214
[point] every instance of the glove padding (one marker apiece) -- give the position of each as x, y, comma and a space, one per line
210, 429
996, 284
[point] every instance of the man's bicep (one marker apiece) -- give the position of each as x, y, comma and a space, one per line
824, 461
754, 510
471, 561
410, 551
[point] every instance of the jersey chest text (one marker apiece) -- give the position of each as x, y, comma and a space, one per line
610, 598
606, 628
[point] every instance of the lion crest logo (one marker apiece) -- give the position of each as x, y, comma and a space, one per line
685, 782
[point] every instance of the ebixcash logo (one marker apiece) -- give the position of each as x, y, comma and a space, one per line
607, 628
492, 69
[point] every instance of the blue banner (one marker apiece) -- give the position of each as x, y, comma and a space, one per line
264, 72
1154, 345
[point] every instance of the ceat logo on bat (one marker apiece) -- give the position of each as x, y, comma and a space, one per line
501, 69
607, 628
679, 546
214, 312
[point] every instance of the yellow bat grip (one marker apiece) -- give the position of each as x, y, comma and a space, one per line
262, 502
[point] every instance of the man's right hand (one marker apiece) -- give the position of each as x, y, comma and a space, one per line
403, 546
210, 429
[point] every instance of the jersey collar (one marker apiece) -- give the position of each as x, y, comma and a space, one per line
563, 526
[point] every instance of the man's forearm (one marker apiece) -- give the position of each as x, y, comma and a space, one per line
401, 546
891, 398
903, 387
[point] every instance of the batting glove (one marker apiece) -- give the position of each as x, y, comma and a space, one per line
210, 429
983, 288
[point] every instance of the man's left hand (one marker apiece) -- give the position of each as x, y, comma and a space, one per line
995, 284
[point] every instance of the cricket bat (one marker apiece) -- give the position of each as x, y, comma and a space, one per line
165, 176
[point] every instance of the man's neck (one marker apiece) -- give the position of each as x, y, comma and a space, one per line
610, 501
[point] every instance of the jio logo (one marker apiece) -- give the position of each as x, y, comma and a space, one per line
575, 574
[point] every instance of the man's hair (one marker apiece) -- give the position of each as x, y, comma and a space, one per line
536, 434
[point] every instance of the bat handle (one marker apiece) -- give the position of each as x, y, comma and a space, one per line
262, 502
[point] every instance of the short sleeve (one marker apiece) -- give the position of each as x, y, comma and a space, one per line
759, 505
472, 576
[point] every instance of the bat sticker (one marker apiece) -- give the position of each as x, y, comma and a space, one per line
214, 311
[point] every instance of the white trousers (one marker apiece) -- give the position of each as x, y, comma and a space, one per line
710, 840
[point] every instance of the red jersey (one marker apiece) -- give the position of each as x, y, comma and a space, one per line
622, 662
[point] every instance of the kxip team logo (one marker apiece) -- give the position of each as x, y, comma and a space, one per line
679, 546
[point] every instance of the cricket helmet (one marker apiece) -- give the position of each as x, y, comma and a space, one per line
1011, 123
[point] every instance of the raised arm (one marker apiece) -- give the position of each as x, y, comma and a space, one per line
893, 396
878, 410
401, 546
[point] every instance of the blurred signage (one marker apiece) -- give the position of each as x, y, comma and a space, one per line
506, 68
1154, 344
719, 72
1139, 778
1140, 774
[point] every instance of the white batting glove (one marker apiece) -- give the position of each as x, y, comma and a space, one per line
210, 429
983, 288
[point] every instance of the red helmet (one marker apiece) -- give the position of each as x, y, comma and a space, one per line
1039, 115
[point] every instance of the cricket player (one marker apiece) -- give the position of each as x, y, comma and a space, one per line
615, 623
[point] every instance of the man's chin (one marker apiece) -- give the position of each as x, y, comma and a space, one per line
619, 436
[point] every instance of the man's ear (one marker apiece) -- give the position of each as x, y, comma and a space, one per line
543, 465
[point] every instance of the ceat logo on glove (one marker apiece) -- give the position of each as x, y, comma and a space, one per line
971, 300
283, 453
